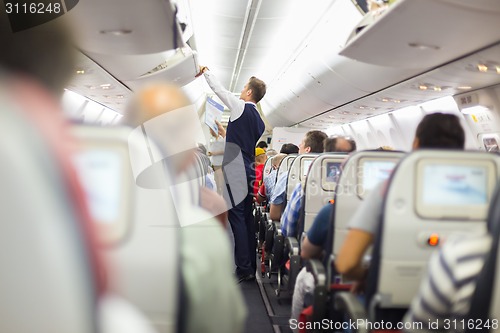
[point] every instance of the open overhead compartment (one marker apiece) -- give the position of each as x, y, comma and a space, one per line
135, 41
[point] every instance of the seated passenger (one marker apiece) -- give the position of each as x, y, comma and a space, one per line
291, 214
446, 290
311, 248
216, 153
271, 153
30, 89
262, 145
205, 253
436, 130
311, 143
269, 180
289, 148
208, 171
260, 160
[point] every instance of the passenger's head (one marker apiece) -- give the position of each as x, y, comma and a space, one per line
271, 152
44, 53
254, 90
152, 101
439, 130
289, 148
262, 144
339, 144
260, 155
171, 122
312, 142
277, 160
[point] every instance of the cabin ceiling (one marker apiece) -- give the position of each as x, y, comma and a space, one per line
299, 50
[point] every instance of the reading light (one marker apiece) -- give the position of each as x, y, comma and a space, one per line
423, 46
80, 71
116, 32
105, 86
464, 87
422, 87
482, 68
433, 240
437, 88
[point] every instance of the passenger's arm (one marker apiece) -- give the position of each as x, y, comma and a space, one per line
290, 216
215, 153
314, 242
350, 258
310, 251
261, 194
235, 105
275, 212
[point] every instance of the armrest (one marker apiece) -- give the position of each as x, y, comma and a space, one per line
350, 305
277, 227
293, 245
316, 268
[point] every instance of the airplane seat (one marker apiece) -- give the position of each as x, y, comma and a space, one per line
318, 188
262, 209
431, 195
136, 207
49, 278
361, 172
272, 226
57, 280
485, 300
298, 169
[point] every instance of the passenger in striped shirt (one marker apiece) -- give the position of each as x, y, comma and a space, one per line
446, 291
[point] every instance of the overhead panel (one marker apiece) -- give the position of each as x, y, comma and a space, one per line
426, 33
125, 26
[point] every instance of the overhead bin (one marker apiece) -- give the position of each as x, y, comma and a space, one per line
126, 27
426, 33
135, 41
180, 69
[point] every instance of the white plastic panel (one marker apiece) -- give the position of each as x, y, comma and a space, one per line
381, 126
403, 24
133, 27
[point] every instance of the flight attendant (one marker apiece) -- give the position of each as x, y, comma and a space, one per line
244, 129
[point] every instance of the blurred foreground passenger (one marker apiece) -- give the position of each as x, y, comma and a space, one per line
53, 278
205, 254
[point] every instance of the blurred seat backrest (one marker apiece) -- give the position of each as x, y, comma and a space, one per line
134, 208
431, 195
47, 276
